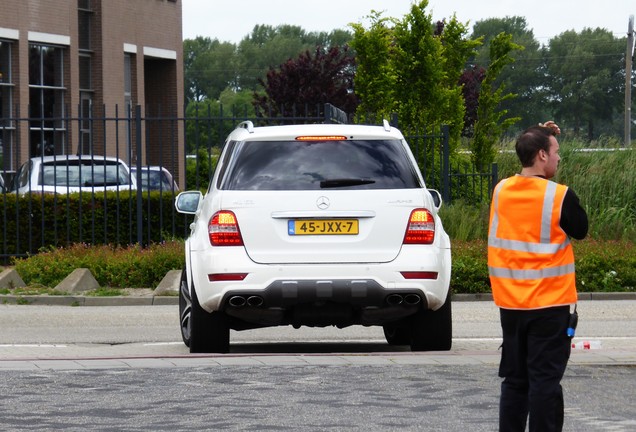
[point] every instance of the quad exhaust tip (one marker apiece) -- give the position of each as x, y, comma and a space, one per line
398, 299
238, 301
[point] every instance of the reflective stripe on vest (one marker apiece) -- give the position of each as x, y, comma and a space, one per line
544, 247
532, 274
529, 270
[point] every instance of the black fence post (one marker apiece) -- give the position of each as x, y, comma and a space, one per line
446, 195
140, 226
394, 120
494, 177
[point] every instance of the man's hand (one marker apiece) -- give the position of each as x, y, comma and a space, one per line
552, 125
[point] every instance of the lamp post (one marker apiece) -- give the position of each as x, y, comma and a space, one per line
629, 55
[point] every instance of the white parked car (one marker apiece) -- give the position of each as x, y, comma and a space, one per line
316, 225
65, 174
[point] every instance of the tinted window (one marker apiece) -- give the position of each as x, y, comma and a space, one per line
296, 165
154, 180
83, 173
24, 174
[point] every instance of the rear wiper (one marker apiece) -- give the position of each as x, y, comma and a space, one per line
343, 182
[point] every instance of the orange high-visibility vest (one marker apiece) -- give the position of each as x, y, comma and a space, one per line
530, 258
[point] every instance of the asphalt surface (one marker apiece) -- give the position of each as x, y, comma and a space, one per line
149, 337
122, 367
445, 398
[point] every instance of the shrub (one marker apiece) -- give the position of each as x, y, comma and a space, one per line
33, 221
470, 267
129, 267
605, 266
601, 266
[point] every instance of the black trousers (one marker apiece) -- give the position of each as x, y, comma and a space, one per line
535, 353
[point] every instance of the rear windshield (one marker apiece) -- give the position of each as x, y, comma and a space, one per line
75, 173
298, 165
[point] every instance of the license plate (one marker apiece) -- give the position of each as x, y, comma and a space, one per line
323, 227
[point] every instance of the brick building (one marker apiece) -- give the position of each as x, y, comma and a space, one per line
72, 73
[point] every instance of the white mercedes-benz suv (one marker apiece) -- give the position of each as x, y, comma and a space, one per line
315, 225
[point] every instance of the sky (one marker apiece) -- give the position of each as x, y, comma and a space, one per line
231, 21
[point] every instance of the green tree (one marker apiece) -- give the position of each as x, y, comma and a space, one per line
586, 73
269, 46
209, 68
413, 69
212, 66
376, 77
525, 77
492, 120
208, 122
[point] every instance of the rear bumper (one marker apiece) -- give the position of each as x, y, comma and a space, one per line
320, 294
321, 303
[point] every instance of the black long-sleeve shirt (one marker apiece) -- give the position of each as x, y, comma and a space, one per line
573, 216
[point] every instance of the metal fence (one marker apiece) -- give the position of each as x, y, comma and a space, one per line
186, 146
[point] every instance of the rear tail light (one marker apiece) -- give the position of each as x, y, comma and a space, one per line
421, 228
223, 229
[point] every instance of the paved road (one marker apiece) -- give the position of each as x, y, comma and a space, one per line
63, 332
448, 398
124, 369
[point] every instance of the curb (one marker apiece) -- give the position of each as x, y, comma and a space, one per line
78, 300
46, 300
585, 296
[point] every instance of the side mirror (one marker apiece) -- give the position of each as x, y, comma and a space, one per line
188, 202
437, 198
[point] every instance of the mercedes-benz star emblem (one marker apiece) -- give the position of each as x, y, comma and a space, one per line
322, 203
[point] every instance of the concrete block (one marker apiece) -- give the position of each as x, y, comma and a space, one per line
11, 279
79, 280
169, 285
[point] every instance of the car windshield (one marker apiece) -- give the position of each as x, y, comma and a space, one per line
83, 173
153, 180
303, 165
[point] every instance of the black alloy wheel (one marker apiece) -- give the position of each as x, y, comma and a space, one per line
397, 333
209, 331
185, 309
432, 330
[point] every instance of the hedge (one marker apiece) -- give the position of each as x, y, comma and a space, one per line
33, 221
601, 266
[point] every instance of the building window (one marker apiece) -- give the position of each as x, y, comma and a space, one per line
85, 24
85, 72
46, 100
6, 85
129, 62
84, 5
7, 126
128, 82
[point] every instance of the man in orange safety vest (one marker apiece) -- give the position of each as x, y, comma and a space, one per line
531, 268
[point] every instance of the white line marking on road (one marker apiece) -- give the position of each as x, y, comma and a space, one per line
32, 346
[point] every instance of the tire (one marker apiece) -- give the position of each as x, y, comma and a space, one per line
432, 330
185, 309
208, 332
397, 333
